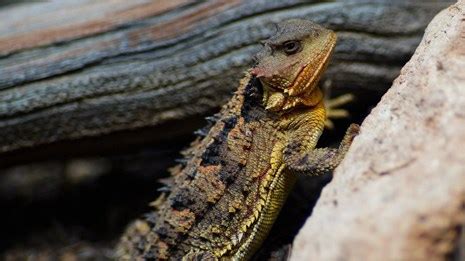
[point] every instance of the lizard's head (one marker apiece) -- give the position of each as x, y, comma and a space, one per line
291, 63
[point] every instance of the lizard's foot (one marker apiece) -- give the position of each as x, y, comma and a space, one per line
334, 112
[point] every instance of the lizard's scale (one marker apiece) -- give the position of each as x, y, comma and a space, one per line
220, 178
225, 199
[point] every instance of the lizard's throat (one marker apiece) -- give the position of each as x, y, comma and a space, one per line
276, 100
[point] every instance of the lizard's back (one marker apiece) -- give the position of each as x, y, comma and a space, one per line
219, 195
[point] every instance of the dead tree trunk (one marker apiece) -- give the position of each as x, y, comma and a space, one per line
73, 71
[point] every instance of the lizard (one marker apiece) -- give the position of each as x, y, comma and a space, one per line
225, 198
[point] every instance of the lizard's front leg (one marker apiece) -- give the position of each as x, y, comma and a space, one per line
300, 154
321, 160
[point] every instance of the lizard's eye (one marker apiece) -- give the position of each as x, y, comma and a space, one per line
291, 47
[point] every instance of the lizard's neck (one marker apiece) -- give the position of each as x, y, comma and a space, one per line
276, 100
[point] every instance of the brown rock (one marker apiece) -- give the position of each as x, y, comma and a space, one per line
400, 192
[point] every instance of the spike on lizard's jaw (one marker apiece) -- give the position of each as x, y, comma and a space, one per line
278, 101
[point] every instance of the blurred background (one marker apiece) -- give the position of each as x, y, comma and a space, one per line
97, 98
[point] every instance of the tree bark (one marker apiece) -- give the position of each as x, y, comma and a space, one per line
75, 70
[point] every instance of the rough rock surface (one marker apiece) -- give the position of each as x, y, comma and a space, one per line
400, 192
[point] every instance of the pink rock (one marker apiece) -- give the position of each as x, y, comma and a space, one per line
400, 192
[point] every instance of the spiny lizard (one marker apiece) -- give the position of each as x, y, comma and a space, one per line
226, 197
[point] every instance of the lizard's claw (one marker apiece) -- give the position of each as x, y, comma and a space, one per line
333, 111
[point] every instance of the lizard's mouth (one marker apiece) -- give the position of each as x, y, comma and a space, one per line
301, 82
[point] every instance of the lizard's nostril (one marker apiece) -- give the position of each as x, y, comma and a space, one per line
257, 72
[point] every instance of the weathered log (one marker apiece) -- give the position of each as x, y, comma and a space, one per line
400, 192
70, 70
